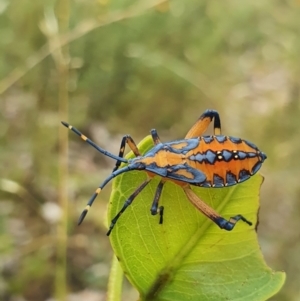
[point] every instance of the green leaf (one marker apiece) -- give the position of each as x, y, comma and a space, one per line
188, 257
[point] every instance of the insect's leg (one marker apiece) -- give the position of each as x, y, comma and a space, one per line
202, 124
211, 213
126, 204
155, 136
154, 208
102, 185
127, 139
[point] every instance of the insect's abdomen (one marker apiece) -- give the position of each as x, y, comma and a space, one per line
225, 160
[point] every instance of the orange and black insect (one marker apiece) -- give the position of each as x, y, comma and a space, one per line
206, 161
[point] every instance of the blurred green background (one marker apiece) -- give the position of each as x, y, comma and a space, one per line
113, 67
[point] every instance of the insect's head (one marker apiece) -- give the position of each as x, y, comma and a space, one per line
136, 164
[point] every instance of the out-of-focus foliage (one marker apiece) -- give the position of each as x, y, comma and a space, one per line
142, 66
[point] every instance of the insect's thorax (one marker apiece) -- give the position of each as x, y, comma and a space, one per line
224, 160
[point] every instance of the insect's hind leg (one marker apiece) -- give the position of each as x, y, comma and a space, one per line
211, 213
126, 140
202, 124
229, 225
154, 208
126, 204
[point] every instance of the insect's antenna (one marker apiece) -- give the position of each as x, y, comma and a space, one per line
101, 186
93, 144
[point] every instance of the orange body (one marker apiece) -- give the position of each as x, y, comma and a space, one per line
221, 160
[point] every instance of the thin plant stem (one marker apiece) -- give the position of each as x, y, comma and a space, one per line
114, 289
61, 59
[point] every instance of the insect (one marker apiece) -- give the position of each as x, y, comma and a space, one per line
205, 161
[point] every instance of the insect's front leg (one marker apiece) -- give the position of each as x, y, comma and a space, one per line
155, 137
126, 140
126, 204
